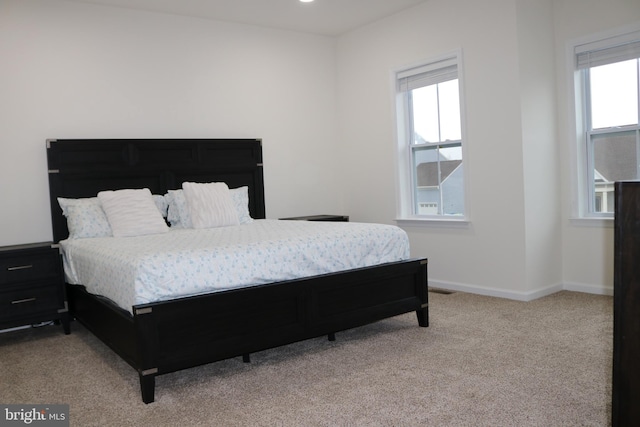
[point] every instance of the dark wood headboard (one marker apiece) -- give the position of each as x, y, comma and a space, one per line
83, 167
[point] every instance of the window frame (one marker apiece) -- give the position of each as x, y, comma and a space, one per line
407, 202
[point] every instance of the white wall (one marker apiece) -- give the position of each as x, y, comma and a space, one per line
324, 109
540, 161
69, 70
498, 251
521, 242
587, 249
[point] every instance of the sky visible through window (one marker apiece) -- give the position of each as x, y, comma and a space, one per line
614, 94
436, 112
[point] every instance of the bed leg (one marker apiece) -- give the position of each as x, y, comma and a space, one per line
331, 336
147, 386
246, 358
66, 323
423, 316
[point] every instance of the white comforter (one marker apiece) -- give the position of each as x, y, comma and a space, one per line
184, 262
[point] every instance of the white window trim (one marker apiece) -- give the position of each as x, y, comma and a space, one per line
404, 216
433, 222
580, 215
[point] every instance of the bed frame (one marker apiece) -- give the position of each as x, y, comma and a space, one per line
168, 336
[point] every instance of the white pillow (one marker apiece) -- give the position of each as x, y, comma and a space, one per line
132, 212
85, 218
178, 213
240, 197
210, 205
179, 217
161, 204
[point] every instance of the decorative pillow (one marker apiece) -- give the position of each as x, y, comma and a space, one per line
179, 217
210, 205
161, 204
178, 214
132, 212
85, 218
240, 197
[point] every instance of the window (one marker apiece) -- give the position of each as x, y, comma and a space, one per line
430, 140
608, 75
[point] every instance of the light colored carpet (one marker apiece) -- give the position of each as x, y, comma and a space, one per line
483, 362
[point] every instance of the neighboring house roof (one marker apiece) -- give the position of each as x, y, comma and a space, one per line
615, 158
428, 172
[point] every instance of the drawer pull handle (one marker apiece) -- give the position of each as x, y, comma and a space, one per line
20, 267
22, 301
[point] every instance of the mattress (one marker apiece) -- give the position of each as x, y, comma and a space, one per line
186, 262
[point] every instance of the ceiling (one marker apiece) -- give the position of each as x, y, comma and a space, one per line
325, 17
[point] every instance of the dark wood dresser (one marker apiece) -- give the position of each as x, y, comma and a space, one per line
32, 288
626, 306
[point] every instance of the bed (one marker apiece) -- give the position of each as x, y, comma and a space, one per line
166, 335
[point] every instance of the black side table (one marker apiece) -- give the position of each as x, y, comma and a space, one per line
334, 218
32, 287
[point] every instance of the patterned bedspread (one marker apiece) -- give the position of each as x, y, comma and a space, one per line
184, 262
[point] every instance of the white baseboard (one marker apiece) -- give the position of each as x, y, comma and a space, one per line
589, 289
518, 295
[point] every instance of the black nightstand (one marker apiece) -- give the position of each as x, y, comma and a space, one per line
334, 218
32, 288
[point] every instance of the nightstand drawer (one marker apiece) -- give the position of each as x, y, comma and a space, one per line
30, 300
16, 269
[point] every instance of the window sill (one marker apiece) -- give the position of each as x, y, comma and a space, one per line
433, 222
601, 222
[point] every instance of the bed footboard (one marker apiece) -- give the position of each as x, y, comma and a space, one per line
169, 336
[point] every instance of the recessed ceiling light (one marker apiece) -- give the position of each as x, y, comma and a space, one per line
306, 1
